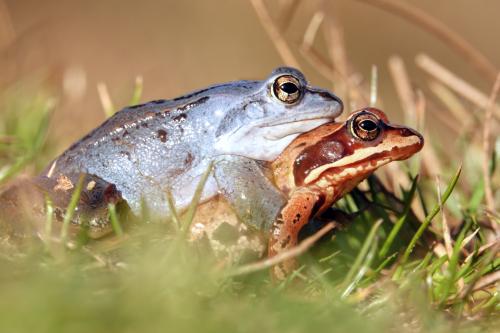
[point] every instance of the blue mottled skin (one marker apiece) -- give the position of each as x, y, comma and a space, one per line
168, 144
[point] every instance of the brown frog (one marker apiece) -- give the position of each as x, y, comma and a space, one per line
313, 172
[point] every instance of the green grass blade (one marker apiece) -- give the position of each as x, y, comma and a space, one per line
49, 214
363, 269
479, 271
451, 272
421, 198
385, 262
429, 217
138, 88
188, 217
33, 143
425, 262
399, 224
477, 196
357, 265
113, 217
173, 211
71, 208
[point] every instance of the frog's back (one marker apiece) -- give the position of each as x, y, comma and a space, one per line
147, 147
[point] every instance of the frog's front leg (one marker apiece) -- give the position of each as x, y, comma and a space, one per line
285, 230
253, 197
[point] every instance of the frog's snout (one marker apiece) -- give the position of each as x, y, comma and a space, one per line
329, 97
417, 138
404, 141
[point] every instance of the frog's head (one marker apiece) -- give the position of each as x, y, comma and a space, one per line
275, 112
343, 154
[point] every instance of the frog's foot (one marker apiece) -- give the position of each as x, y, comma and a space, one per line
21, 209
217, 229
285, 230
92, 208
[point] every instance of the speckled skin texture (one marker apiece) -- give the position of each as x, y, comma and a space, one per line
320, 166
313, 172
168, 144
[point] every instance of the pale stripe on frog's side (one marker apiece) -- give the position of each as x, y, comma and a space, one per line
320, 166
361, 154
169, 143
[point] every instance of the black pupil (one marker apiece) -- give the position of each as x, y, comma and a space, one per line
289, 88
368, 125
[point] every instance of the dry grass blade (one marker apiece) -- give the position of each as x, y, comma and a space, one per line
488, 191
487, 280
374, 86
336, 67
336, 47
312, 56
105, 98
440, 30
420, 110
453, 104
476, 277
403, 88
318, 61
446, 230
482, 249
287, 11
338, 56
274, 33
469, 238
292, 253
436, 70
312, 29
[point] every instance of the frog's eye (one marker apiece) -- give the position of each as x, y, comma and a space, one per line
287, 89
365, 126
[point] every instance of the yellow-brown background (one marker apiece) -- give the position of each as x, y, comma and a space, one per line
179, 46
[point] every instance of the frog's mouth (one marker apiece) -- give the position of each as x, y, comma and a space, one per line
267, 139
282, 129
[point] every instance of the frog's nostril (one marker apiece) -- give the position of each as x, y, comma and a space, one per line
410, 132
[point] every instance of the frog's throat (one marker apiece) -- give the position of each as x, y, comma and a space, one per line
265, 141
370, 158
282, 130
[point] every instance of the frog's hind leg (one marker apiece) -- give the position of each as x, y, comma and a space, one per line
285, 230
92, 207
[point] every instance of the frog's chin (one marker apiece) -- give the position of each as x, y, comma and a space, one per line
291, 129
266, 143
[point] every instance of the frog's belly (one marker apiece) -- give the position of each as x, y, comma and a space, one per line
215, 224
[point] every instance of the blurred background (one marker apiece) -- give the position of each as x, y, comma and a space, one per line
68, 47
67, 65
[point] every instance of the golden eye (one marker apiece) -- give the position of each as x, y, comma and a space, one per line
287, 89
365, 126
